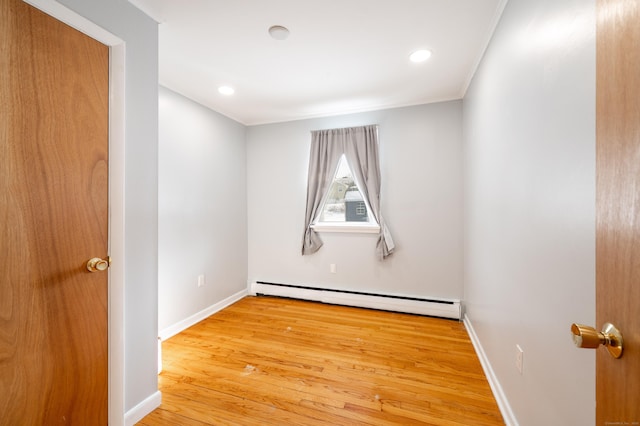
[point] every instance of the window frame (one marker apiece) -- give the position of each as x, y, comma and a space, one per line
343, 227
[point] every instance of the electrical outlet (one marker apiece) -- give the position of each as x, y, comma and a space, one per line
200, 280
519, 358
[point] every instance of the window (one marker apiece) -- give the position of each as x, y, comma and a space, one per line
343, 187
344, 208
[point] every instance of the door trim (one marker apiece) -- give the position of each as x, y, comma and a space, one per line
116, 194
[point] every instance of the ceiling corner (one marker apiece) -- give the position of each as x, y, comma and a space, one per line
149, 11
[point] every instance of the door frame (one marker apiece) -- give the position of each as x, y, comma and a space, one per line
116, 277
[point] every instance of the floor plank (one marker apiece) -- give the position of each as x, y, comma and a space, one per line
278, 361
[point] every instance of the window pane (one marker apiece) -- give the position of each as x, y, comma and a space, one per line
344, 202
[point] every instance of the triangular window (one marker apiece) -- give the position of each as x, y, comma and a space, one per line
344, 202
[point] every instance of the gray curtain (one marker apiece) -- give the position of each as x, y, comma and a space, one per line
360, 147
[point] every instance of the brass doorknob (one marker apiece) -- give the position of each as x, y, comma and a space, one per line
96, 264
587, 337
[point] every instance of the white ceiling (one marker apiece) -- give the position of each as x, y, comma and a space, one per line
341, 55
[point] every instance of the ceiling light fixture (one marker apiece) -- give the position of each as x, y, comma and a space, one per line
226, 90
279, 32
420, 55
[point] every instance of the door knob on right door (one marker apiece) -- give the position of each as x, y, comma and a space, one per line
587, 337
98, 265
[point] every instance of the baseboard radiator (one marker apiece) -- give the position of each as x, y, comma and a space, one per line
412, 305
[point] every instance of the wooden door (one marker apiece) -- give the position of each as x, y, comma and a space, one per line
618, 207
53, 217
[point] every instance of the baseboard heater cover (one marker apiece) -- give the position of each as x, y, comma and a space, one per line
413, 305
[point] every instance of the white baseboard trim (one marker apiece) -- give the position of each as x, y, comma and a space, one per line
138, 412
498, 393
199, 316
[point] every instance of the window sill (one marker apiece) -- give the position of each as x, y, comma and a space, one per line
353, 227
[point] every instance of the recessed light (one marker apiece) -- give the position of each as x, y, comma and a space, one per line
279, 32
226, 90
420, 55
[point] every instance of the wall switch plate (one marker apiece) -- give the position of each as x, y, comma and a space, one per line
519, 358
200, 280
332, 268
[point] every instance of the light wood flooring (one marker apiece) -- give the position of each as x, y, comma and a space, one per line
271, 361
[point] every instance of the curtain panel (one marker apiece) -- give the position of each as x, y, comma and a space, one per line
360, 148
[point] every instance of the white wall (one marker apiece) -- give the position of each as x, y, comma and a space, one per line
420, 150
529, 142
202, 200
140, 35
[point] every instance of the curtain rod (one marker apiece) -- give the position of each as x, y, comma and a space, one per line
343, 128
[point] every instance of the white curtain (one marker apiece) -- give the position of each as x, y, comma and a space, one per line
360, 148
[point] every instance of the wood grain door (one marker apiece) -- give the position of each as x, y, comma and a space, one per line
53, 217
618, 207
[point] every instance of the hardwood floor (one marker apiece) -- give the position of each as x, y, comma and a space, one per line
270, 361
